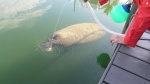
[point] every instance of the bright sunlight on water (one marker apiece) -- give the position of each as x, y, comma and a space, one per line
25, 26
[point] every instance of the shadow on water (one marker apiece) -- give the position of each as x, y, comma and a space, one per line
103, 60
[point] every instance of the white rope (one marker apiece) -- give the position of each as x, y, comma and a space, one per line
98, 22
58, 19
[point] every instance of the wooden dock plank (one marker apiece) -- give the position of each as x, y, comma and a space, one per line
145, 43
129, 65
133, 65
148, 31
119, 76
136, 52
146, 35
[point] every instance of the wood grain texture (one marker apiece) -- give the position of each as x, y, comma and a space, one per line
119, 76
145, 43
133, 65
136, 52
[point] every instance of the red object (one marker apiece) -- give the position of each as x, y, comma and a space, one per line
140, 23
102, 2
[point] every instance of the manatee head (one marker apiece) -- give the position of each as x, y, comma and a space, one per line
54, 40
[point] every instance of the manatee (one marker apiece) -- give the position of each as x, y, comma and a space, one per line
75, 34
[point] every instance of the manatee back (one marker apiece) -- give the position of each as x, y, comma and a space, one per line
79, 33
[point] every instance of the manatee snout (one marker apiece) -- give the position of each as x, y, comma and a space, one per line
51, 41
49, 44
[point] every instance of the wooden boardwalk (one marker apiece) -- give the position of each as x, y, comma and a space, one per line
129, 65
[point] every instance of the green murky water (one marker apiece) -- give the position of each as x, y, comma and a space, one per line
25, 26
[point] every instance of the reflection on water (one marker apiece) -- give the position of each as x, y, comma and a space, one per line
103, 60
13, 12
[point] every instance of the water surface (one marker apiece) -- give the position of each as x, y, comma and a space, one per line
25, 26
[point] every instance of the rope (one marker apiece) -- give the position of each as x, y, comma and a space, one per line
58, 19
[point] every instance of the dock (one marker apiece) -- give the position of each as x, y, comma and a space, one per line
129, 65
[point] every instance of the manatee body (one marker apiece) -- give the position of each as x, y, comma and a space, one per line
76, 34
